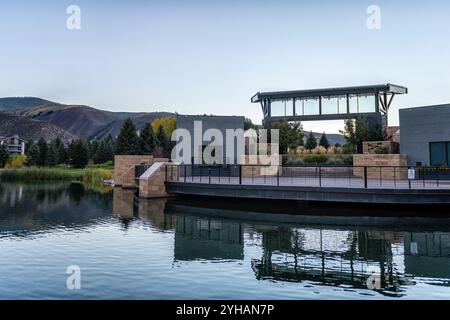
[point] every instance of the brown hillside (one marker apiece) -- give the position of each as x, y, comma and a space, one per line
28, 128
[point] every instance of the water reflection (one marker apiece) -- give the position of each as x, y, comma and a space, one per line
29, 208
427, 254
340, 256
207, 239
337, 256
330, 257
242, 249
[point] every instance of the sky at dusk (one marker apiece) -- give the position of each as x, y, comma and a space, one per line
197, 57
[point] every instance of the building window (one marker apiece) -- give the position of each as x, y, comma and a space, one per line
311, 106
366, 103
282, 108
342, 104
440, 153
330, 105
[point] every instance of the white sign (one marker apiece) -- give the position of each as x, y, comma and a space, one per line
411, 174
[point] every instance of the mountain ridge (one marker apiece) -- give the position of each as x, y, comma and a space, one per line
79, 120
83, 121
33, 129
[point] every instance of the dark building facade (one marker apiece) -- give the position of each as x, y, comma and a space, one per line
425, 135
221, 123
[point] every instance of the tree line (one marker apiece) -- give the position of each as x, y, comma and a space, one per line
153, 139
77, 154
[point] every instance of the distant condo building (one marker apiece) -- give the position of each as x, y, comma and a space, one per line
15, 144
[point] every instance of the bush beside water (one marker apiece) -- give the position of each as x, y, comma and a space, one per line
97, 176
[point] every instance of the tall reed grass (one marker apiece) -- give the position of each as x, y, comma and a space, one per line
89, 175
38, 174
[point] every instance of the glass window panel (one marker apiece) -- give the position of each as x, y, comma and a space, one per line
438, 153
281, 108
342, 101
312, 106
299, 107
366, 103
353, 101
329, 105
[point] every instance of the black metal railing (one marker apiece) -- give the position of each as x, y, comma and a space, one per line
366, 177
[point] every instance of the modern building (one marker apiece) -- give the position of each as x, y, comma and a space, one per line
369, 102
15, 144
221, 123
425, 135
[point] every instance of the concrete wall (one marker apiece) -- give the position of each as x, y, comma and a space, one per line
419, 127
210, 122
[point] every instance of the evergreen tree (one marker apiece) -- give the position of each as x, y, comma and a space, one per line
324, 141
147, 140
32, 155
4, 155
109, 148
105, 151
52, 155
42, 157
93, 148
127, 141
29, 145
61, 152
376, 134
311, 142
78, 154
97, 157
162, 141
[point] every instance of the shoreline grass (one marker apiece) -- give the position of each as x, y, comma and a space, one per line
38, 174
94, 174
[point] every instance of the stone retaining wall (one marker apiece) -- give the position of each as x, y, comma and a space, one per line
152, 183
386, 161
369, 147
251, 167
124, 168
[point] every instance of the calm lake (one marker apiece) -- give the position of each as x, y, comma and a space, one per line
190, 249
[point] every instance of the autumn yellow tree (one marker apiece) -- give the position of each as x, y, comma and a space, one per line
169, 124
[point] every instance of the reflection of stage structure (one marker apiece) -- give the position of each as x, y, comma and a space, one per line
208, 239
328, 257
333, 256
428, 254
